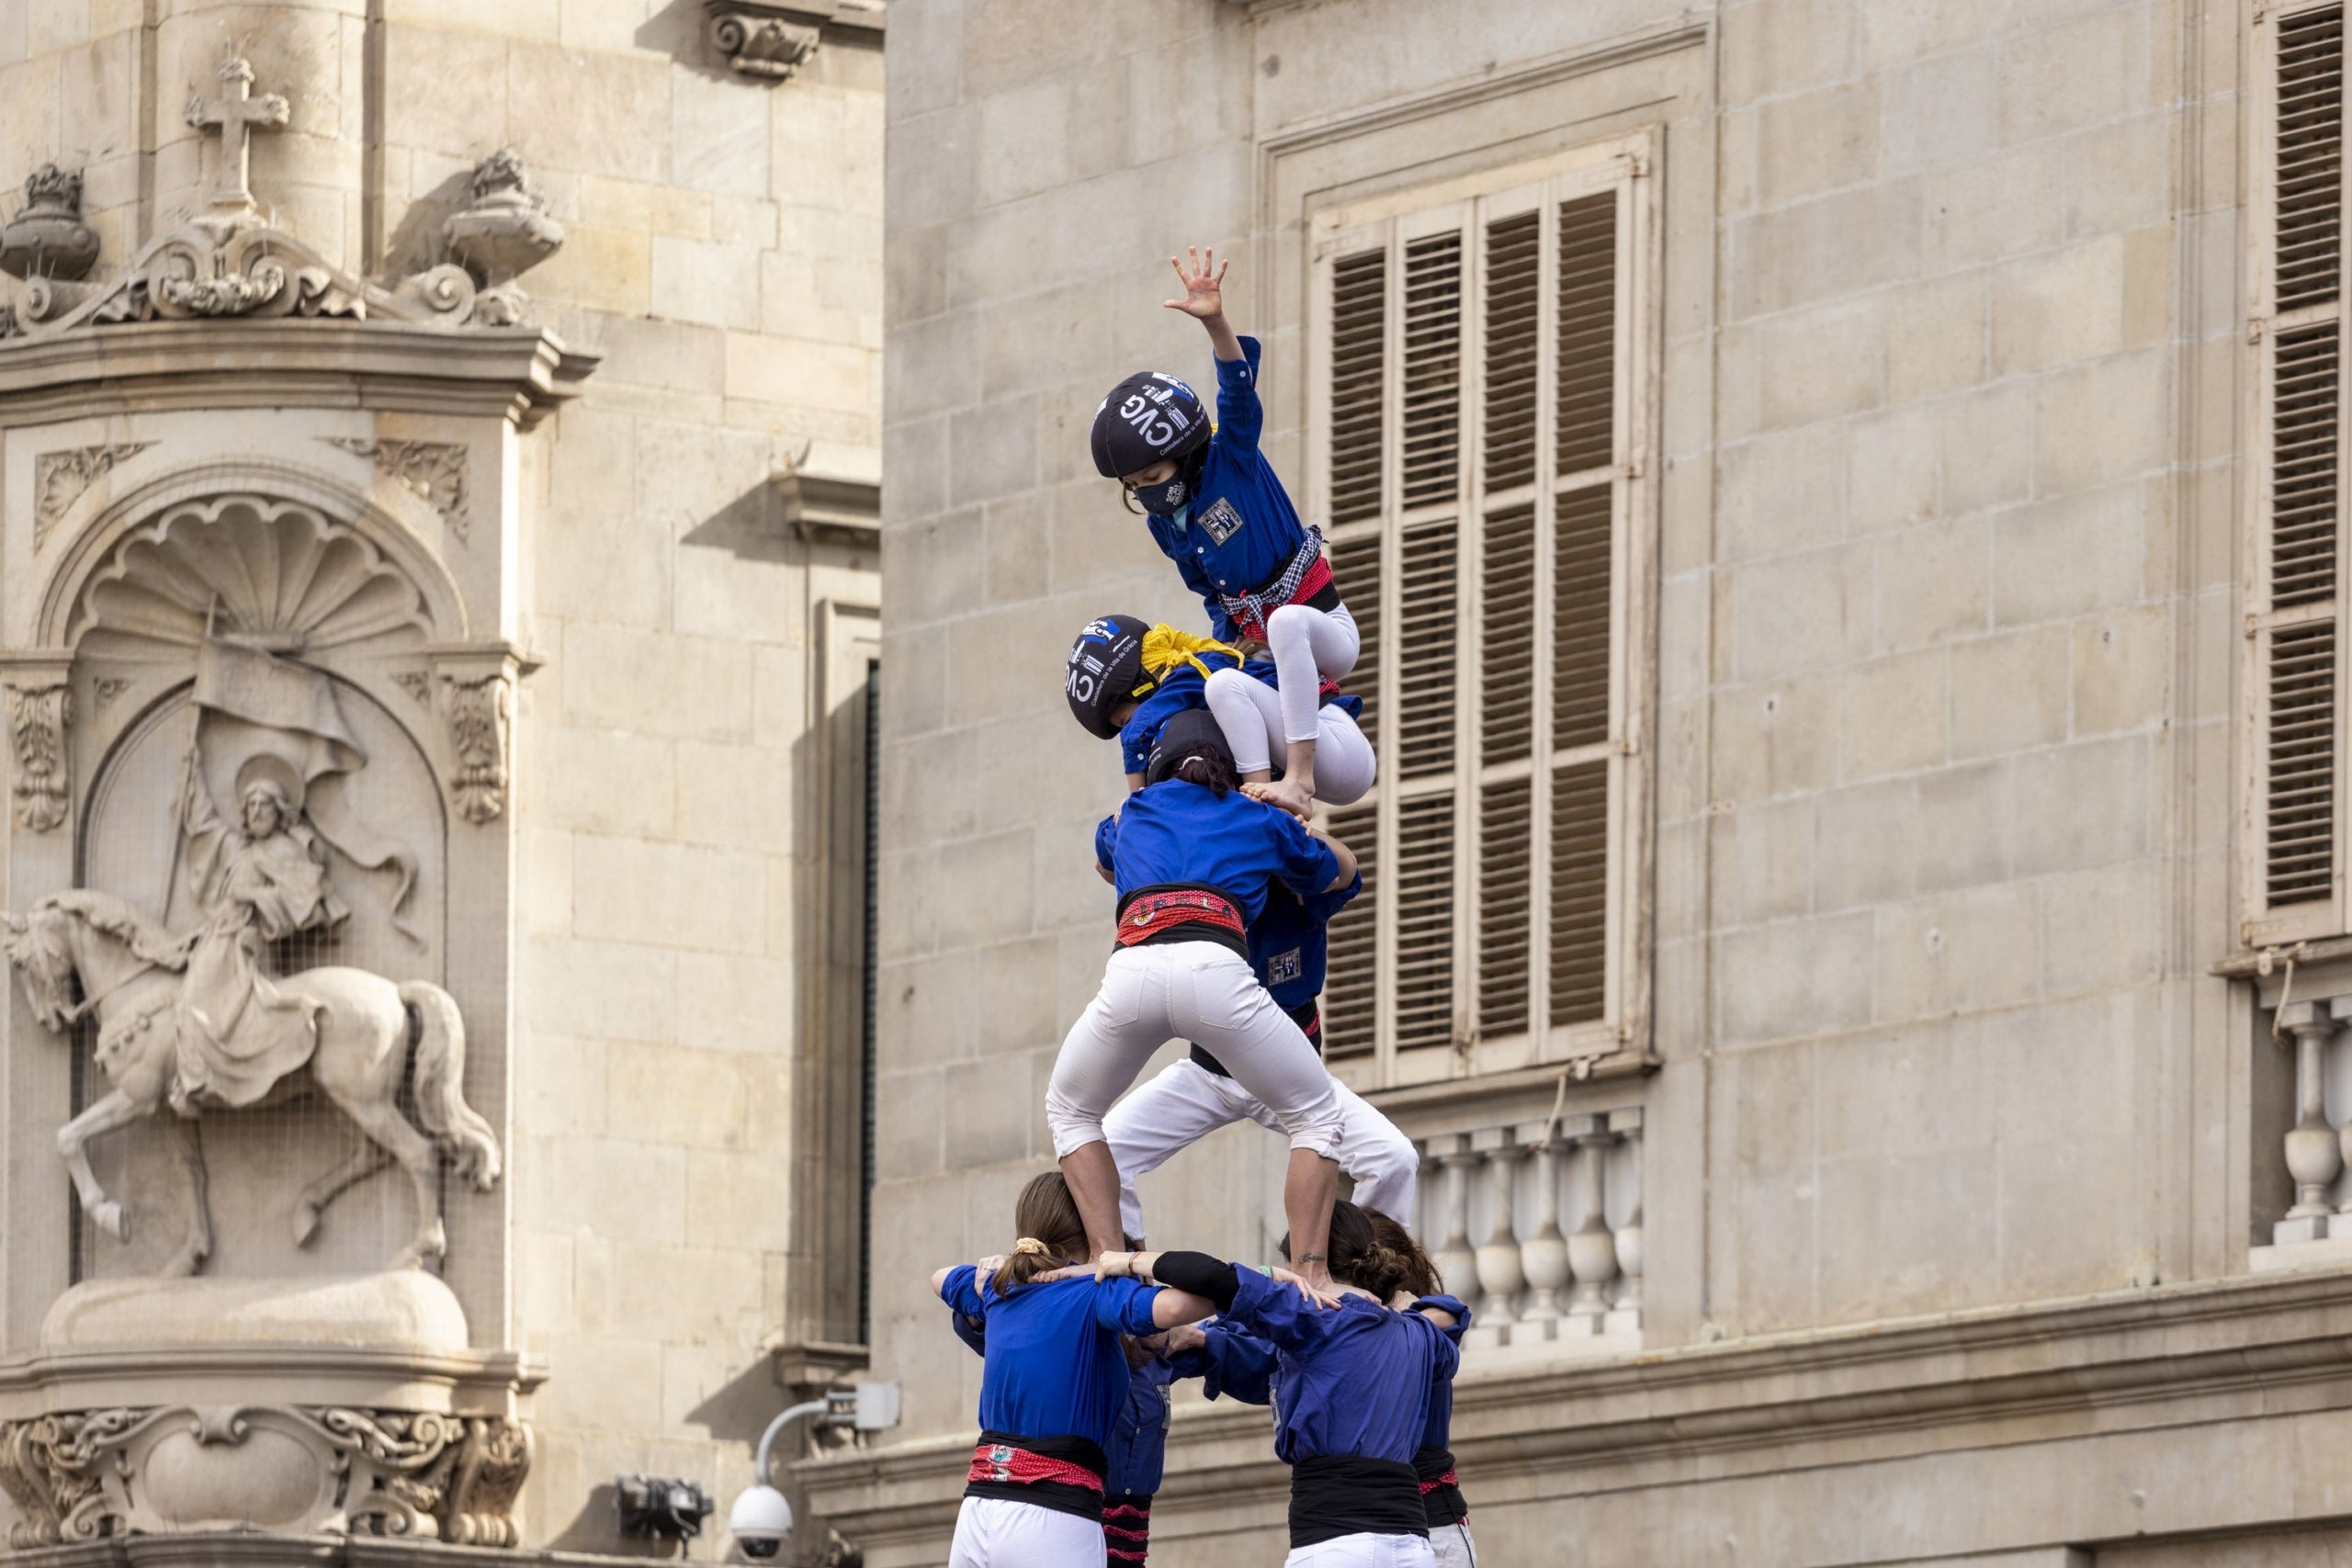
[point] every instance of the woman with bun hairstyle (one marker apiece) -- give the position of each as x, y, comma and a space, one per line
1127, 677
1054, 1382
1448, 1514
1217, 509
1192, 865
1351, 1390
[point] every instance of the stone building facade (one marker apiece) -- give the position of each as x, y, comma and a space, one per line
467, 426
1847, 490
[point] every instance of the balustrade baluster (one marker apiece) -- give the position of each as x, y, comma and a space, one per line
1625, 1316
1593, 1251
2313, 1158
1457, 1265
1543, 1256
1499, 1263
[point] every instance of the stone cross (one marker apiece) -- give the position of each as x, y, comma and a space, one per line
237, 113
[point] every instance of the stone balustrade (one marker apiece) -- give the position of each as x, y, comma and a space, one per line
1538, 1225
2317, 1146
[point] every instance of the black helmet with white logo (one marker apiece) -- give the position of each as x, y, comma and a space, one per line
1149, 416
1105, 666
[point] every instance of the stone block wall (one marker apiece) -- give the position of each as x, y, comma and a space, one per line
1942, 661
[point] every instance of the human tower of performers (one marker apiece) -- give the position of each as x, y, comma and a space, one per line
1225, 888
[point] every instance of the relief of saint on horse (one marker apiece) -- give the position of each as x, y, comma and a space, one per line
196, 1021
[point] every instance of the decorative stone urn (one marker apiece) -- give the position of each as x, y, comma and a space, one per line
48, 238
507, 231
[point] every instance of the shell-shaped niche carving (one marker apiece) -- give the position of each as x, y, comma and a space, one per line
273, 570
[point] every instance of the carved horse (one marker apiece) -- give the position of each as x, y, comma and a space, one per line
130, 980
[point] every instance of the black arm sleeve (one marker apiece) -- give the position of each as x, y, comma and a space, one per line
1199, 1273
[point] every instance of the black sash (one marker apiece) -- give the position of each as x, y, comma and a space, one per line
1440, 1500
1339, 1494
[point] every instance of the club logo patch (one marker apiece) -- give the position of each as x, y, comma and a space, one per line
1283, 966
1221, 522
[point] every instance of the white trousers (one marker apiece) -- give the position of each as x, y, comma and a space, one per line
1255, 718
1452, 1545
1185, 1103
1306, 644
1206, 993
997, 1532
1362, 1551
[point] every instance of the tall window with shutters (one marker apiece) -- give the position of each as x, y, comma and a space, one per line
2293, 867
1479, 423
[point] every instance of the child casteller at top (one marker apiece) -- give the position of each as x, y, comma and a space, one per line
1217, 509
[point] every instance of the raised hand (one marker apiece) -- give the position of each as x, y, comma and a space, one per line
1204, 284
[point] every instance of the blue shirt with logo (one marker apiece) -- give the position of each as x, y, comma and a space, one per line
1239, 530
1138, 1447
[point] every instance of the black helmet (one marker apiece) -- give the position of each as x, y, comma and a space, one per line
1105, 666
1149, 416
1192, 733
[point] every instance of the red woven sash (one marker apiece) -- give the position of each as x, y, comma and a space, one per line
1248, 611
1448, 1479
1152, 913
1004, 1462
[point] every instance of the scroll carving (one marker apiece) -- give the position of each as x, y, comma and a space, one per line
60, 478
37, 719
478, 713
78, 1476
762, 39
433, 472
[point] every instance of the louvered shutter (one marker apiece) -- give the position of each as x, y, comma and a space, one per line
1472, 473
2296, 812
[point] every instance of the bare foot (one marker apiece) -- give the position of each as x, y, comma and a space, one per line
1290, 794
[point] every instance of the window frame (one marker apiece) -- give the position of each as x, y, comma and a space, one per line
1627, 164
2262, 924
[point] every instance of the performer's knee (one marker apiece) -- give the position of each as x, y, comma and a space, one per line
1317, 1128
1288, 624
1073, 1127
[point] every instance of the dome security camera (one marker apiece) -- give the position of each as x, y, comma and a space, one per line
760, 1521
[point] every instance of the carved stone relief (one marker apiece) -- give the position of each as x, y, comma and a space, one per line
296, 1469
38, 717
433, 472
479, 721
60, 478
762, 41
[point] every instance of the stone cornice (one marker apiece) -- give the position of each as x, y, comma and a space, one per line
1969, 1378
516, 373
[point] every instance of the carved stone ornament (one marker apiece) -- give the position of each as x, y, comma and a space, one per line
433, 472
38, 717
230, 261
479, 721
289, 1470
60, 478
48, 238
765, 41
507, 231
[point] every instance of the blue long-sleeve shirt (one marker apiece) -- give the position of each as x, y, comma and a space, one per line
1180, 832
1240, 529
1355, 1379
1230, 1364
1137, 1449
1289, 941
1052, 1364
1438, 1432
